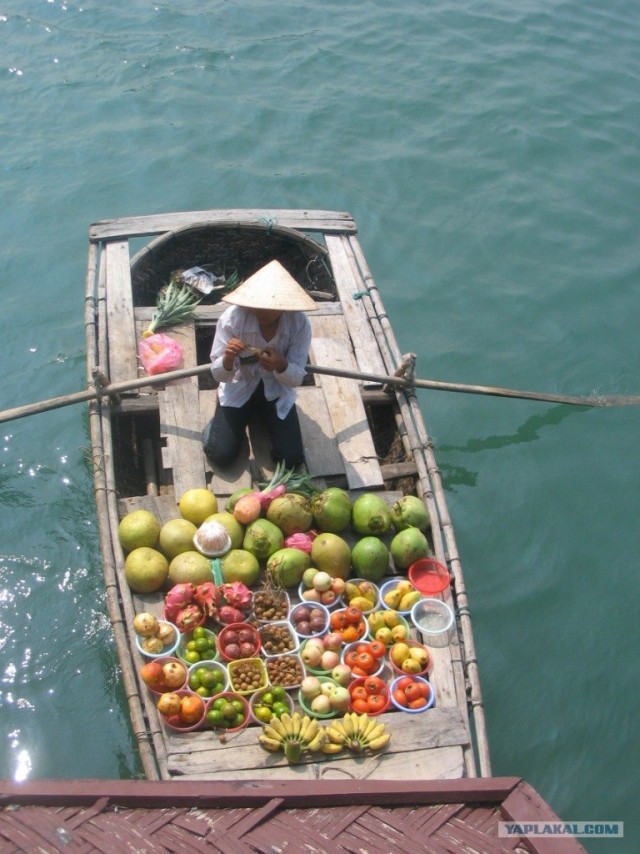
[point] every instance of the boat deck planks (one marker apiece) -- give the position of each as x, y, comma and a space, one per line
348, 416
339, 448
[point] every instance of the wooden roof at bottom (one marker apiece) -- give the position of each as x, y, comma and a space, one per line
239, 818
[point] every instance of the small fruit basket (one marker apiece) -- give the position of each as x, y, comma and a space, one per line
350, 622
365, 658
207, 678
320, 658
399, 594
410, 657
412, 694
286, 670
387, 626
319, 586
269, 702
238, 640
247, 675
315, 697
227, 711
277, 638
370, 695
361, 594
162, 675
309, 620
181, 710
163, 642
197, 645
271, 604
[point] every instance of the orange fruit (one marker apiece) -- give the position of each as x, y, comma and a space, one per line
191, 709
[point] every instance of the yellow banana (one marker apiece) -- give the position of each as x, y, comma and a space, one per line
304, 728
310, 728
269, 743
276, 724
373, 723
335, 735
296, 721
330, 747
376, 732
363, 721
317, 742
347, 725
354, 723
287, 724
380, 742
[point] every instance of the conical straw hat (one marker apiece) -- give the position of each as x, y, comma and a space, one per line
271, 287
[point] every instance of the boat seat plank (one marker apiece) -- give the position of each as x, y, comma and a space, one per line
155, 224
350, 283
180, 425
321, 451
123, 359
348, 415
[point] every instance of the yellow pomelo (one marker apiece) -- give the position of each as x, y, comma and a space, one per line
146, 570
196, 504
138, 528
176, 536
190, 566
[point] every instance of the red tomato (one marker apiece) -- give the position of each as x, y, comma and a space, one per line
360, 706
399, 697
359, 672
358, 692
362, 647
377, 649
403, 682
351, 658
366, 661
413, 691
377, 703
353, 615
417, 704
374, 685
338, 620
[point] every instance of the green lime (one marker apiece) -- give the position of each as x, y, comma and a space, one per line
214, 717
220, 702
191, 646
280, 708
268, 698
199, 632
238, 720
279, 693
208, 654
194, 681
191, 656
238, 705
210, 678
201, 644
202, 691
228, 710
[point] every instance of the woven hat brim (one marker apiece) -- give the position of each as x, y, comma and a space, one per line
271, 287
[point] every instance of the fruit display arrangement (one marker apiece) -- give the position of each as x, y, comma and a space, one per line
336, 652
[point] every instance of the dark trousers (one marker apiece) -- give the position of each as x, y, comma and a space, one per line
224, 434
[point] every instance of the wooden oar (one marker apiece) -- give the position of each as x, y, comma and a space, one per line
401, 382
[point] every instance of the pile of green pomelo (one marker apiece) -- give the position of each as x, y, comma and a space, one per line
261, 534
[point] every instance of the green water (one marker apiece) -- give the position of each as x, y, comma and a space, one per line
489, 154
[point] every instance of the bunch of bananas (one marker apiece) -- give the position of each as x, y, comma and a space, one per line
356, 732
294, 734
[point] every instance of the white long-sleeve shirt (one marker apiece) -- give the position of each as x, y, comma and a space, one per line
292, 339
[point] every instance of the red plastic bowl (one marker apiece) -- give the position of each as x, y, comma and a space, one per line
385, 693
223, 638
429, 576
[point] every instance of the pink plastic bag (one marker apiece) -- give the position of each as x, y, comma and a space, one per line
159, 353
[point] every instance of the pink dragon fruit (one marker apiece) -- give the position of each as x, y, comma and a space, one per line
237, 595
303, 542
207, 596
178, 598
189, 617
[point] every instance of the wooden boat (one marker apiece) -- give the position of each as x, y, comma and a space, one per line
147, 452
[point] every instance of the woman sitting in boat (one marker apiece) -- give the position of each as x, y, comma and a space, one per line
258, 356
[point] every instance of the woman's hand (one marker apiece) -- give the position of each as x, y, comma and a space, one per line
271, 360
234, 347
